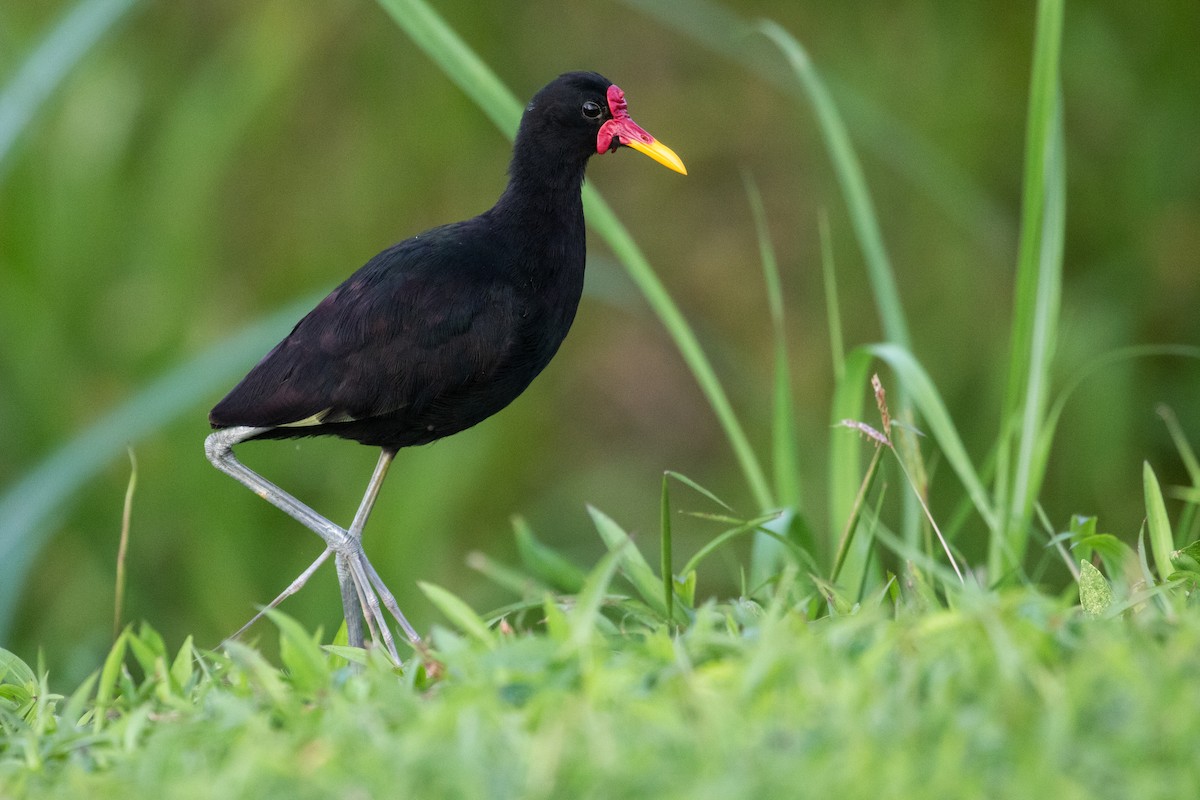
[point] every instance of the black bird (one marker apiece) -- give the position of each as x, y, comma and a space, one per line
438, 332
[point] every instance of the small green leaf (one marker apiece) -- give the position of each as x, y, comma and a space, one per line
257, 671
920, 596
1082, 527
584, 616
144, 654
459, 613
1188, 579
556, 620
691, 484
1095, 594
73, 712
1157, 523
300, 652
354, 655
153, 640
546, 564
1116, 554
685, 589
110, 674
633, 565
839, 604
1187, 558
183, 667
14, 670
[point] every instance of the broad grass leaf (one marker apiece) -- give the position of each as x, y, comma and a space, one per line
1095, 593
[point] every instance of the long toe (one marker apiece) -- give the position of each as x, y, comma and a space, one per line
389, 602
358, 567
350, 604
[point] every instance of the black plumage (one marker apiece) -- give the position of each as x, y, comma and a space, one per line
439, 332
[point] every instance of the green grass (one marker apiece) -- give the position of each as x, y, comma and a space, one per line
1006, 694
891, 630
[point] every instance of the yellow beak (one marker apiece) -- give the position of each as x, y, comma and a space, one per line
659, 152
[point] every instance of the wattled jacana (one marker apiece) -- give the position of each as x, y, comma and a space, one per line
436, 333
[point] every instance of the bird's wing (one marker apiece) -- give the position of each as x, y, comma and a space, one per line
399, 333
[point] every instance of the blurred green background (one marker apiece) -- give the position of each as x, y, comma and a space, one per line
209, 164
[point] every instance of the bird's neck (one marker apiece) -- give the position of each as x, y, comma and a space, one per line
544, 180
543, 196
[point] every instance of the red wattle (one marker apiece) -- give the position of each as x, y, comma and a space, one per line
621, 126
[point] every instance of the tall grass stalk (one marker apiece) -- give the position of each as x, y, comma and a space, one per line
833, 312
123, 546
785, 458
1036, 307
854, 185
767, 554
865, 222
889, 138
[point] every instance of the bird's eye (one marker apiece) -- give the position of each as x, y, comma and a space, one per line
592, 110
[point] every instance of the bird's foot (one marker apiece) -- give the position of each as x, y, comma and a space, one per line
374, 598
362, 584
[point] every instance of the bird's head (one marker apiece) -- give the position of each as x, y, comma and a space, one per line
588, 108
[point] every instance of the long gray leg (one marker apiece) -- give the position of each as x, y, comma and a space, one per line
357, 577
356, 529
219, 449
350, 602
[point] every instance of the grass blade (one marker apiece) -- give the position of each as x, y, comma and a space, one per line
1038, 292
602, 219
123, 544
888, 137
517, 581
854, 185
110, 673
545, 563
766, 554
848, 538
183, 668
1157, 523
833, 311
1186, 454
845, 460
691, 484
632, 563
459, 613
759, 525
300, 652
665, 567
786, 459
581, 621
861, 210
